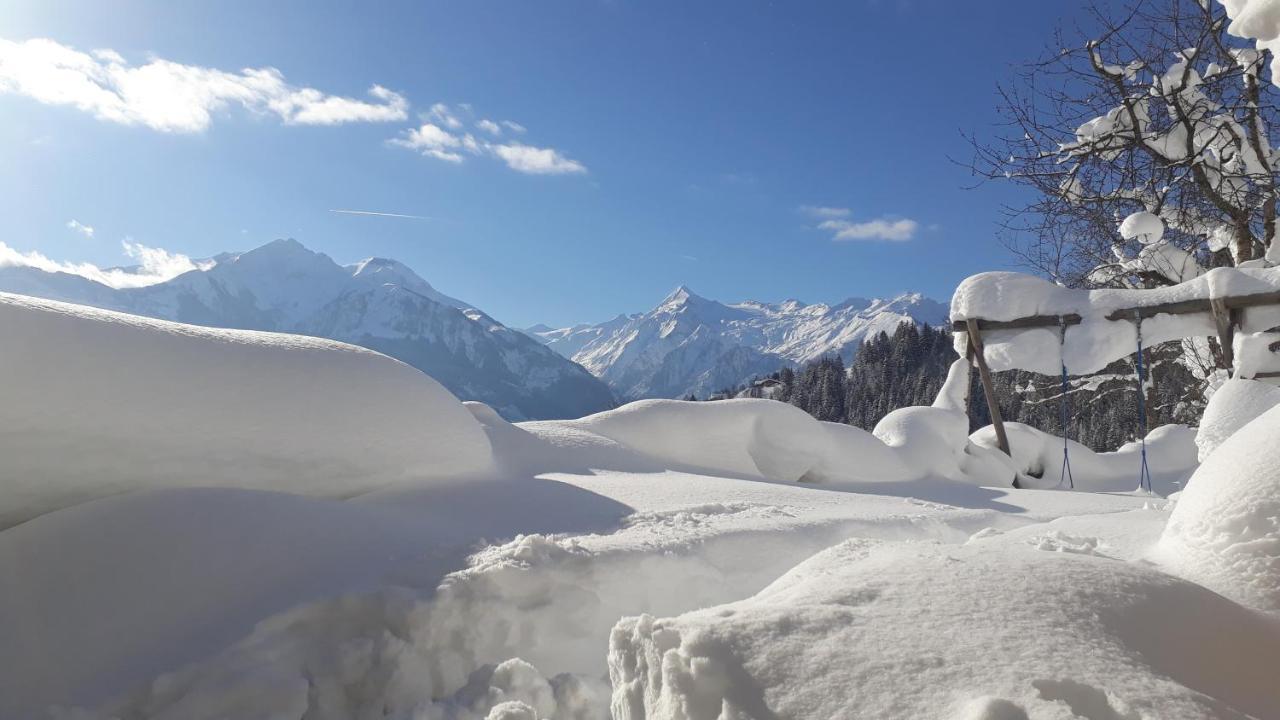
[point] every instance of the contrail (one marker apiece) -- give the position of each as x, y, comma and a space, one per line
380, 214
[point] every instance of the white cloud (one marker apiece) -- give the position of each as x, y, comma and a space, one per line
173, 97
514, 127
79, 227
431, 140
443, 143
824, 211
536, 160
878, 229
154, 265
446, 116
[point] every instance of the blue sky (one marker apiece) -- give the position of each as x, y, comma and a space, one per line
745, 149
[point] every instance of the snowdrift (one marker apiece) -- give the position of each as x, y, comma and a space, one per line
1225, 530
1037, 459
1232, 406
749, 437
1096, 341
996, 628
96, 403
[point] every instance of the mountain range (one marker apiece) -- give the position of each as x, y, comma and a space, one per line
378, 303
689, 344
686, 345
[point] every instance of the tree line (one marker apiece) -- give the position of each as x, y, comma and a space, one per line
908, 368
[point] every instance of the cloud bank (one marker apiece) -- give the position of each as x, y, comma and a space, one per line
173, 97
154, 265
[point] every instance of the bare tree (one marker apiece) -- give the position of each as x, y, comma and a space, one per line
1150, 108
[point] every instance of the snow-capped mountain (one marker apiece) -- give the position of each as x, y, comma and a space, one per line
689, 344
377, 303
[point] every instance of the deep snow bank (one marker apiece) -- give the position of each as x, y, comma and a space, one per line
999, 628
1232, 406
1096, 341
750, 437
1225, 530
96, 402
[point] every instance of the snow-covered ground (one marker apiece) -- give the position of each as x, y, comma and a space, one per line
663, 560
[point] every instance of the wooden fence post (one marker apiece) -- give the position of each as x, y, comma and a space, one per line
988, 388
1224, 320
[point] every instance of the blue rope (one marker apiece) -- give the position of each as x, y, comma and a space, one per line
1066, 415
1144, 476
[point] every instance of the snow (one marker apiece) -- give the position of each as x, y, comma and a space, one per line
1232, 406
748, 437
992, 628
1096, 342
1225, 530
1037, 459
96, 403
1147, 228
664, 560
1256, 19
690, 344
376, 303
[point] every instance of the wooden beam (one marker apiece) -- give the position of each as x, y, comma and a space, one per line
1180, 307
1033, 321
988, 387
968, 377
1222, 320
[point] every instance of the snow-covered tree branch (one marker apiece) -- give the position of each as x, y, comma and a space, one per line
1153, 110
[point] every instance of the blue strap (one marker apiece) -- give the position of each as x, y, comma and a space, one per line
1066, 415
1144, 476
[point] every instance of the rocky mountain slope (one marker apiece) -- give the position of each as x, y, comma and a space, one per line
377, 303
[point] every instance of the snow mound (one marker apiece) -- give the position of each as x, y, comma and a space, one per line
1037, 458
96, 403
855, 455
990, 630
1225, 530
1232, 406
929, 440
746, 437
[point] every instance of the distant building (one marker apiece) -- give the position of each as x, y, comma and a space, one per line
767, 388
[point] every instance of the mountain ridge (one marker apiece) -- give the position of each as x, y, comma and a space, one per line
689, 344
377, 303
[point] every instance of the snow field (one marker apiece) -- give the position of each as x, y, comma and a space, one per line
992, 629
757, 572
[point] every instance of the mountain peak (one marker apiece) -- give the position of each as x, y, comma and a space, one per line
680, 294
283, 252
283, 246
385, 271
